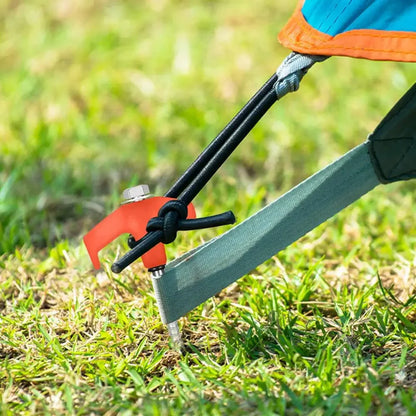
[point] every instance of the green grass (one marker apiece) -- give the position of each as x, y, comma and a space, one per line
98, 96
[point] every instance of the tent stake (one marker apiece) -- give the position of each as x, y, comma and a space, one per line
173, 327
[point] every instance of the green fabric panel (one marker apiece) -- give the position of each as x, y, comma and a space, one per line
205, 271
393, 143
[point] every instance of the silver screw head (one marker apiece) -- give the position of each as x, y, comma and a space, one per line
135, 193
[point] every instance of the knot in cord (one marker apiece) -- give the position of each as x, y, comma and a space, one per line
289, 84
168, 219
292, 70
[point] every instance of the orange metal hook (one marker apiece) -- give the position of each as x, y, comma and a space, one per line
130, 218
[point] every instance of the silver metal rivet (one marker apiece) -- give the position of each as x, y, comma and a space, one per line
135, 193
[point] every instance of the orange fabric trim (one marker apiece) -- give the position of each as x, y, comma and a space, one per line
299, 36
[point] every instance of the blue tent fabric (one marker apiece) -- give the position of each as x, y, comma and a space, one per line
334, 17
371, 29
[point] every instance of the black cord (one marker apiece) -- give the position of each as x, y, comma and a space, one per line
189, 175
221, 155
206, 165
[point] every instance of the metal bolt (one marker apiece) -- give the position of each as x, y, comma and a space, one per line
136, 193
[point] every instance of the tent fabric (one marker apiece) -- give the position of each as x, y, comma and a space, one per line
371, 29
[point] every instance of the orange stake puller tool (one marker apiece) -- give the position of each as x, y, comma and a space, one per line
140, 214
131, 217
156, 220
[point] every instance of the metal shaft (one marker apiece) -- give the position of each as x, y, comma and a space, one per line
173, 327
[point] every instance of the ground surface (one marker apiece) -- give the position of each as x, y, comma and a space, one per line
97, 96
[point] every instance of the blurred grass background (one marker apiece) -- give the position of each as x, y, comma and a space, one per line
97, 96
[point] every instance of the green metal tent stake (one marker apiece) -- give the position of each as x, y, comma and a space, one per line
388, 155
202, 273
